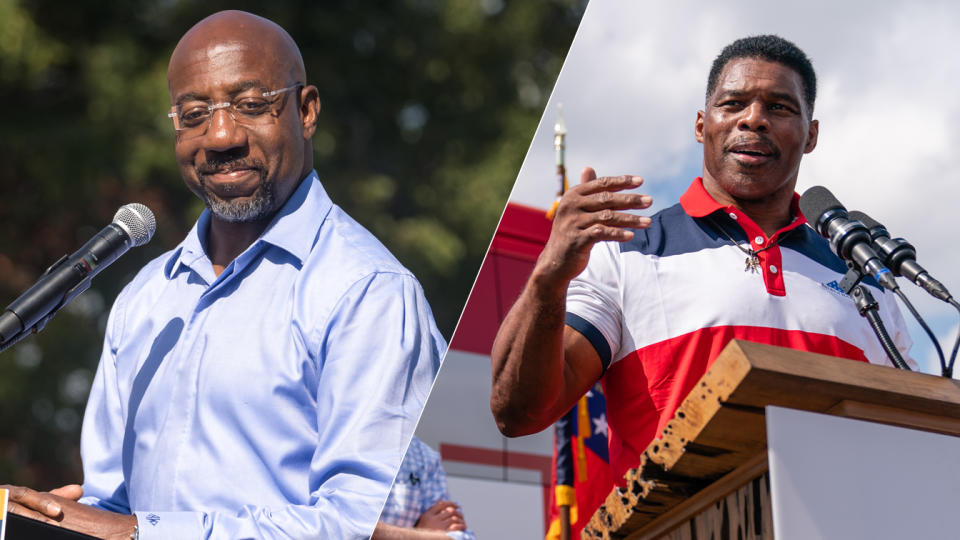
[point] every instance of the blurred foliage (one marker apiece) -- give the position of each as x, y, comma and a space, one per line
428, 109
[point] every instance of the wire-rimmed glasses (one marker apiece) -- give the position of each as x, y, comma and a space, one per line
192, 118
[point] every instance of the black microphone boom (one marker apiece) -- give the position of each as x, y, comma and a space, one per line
133, 225
849, 238
900, 257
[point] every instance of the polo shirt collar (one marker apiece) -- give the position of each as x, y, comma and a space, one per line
696, 202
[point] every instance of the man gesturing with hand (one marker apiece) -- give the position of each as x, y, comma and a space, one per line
540, 368
646, 304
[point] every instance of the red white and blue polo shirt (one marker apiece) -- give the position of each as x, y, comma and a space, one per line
659, 308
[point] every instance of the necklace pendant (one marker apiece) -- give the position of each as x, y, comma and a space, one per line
751, 264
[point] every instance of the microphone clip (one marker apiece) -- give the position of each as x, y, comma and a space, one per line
851, 279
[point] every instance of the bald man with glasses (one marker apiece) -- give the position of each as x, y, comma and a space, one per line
263, 378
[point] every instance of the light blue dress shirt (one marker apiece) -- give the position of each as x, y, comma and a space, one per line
272, 401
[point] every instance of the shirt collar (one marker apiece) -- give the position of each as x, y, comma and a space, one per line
293, 229
696, 202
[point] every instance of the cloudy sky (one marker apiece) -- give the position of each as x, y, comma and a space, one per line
888, 104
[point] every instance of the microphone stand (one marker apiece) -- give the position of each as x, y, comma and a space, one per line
867, 306
869, 309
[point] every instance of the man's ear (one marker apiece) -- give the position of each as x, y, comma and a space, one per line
309, 110
698, 127
812, 133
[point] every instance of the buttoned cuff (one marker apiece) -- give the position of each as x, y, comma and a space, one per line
166, 525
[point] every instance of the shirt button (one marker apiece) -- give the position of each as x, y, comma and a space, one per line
773, 269
733, 215
758, 240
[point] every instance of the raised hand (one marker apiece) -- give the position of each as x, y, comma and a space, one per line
588, 213
538, 369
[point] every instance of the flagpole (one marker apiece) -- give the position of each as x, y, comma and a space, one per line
564, 522
559, 145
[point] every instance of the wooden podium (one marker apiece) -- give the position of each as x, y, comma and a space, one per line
707, 473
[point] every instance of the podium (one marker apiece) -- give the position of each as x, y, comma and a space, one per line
22, 528
707, 474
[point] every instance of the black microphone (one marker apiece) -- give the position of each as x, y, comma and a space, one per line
849, 238
133, 225
900, 257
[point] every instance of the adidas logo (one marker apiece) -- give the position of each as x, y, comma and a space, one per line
834, 286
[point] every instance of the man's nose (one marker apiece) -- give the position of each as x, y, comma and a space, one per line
754, 117
224, 132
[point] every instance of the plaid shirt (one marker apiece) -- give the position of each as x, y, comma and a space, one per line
420, 483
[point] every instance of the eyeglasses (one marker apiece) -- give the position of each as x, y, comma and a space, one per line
192, 119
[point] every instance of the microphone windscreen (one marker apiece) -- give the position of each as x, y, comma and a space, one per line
816, 201
138, 221
865, 219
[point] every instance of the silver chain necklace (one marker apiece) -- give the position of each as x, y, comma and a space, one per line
752, 262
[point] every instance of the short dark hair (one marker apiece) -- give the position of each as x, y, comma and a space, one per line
774, 49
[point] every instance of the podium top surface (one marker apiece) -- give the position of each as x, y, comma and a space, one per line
720, 426
22, 528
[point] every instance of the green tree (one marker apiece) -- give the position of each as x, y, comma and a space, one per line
428, 109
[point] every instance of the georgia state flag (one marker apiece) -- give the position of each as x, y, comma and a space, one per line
581, 465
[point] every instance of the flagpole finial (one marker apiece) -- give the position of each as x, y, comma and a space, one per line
559, 128
559, 145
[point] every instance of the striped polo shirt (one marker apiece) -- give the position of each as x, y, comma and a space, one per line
659, 308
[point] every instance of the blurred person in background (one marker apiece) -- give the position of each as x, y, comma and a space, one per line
419, 505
